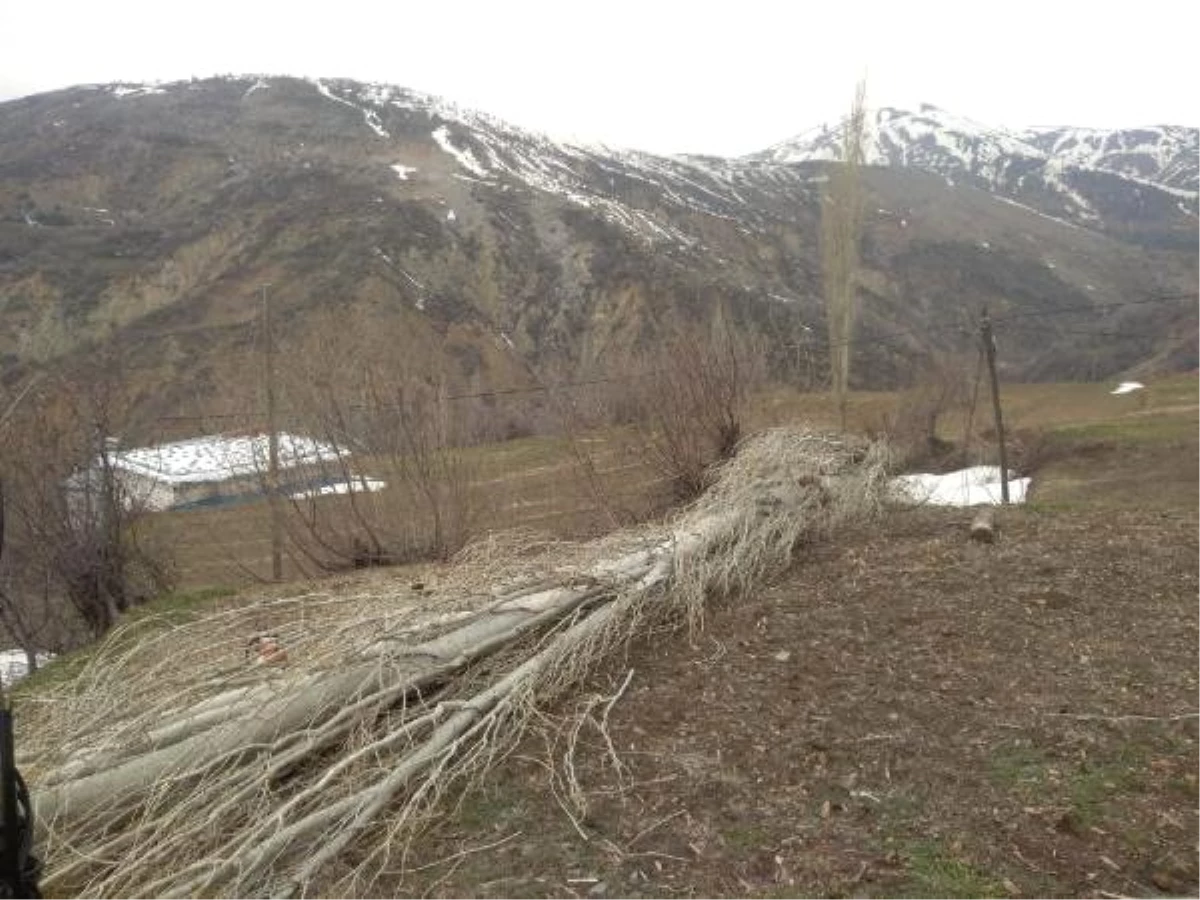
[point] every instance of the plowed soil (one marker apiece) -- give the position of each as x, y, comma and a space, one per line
904, 713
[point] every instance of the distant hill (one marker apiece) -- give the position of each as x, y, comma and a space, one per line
153, 214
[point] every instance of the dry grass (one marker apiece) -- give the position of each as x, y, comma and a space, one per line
533, 483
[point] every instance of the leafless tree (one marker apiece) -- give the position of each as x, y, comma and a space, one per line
690, 396
915, 425
841, 231
72, 525
385, 422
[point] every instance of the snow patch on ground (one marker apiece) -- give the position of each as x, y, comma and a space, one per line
357, 486
102, 215
976, 486
14, 665
402, 171
1127, 387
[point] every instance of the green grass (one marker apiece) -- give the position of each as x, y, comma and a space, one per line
166, 611
746, 837
1088, 789
1018, 767
178, 607
1093, 786
935, 871
1151, 429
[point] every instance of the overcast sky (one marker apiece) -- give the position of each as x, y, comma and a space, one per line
660, 75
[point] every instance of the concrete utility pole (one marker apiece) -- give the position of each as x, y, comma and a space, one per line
989, 348
272, 442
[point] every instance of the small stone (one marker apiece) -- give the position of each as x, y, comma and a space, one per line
783, 656
598, 889
1068, 823
1169, 882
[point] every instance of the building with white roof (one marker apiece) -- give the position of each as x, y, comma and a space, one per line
216, 468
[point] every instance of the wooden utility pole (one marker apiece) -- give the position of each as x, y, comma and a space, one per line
272, 442
989, 348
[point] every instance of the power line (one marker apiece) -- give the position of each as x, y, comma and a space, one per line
875, 340
888, 337
1100, 307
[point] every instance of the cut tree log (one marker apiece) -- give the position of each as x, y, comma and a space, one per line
983, 526
222, 788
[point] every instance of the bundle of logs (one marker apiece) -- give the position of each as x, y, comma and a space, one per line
188, 775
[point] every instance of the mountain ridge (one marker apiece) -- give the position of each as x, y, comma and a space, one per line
1068, 171
160, 209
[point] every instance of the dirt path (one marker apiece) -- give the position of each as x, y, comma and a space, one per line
906, 713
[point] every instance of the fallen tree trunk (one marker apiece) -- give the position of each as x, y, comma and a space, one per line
254, 788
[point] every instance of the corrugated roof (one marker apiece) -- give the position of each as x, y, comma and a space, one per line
219, 457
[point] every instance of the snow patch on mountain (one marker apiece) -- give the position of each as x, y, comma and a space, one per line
610, 182
259, 85
369, 115
465, 158
135, 90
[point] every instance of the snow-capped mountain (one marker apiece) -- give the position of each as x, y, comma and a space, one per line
1165, 156
929, 139
1103, 179
160, 209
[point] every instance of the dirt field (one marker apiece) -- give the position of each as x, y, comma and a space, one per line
905, 713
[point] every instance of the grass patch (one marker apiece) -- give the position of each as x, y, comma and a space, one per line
58, 671
1095, 784
178, 607
1132, 431
745, 837
935, 871
169, 610
1020, 767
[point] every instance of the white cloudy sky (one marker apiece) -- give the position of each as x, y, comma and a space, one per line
663, 75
